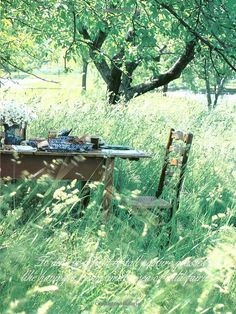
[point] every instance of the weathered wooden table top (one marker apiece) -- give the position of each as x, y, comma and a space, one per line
103, 153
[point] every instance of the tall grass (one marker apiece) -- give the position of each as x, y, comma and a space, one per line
54, 261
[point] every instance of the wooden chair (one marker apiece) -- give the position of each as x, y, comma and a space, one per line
166, 199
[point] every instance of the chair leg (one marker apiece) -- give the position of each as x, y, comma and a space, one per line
166, 226
173, 226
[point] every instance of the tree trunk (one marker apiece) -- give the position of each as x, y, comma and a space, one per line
165, 89
127, 78
208, 93
207, 85
113, 87
84, 75
218, 90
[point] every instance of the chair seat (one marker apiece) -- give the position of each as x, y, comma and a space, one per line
148, 202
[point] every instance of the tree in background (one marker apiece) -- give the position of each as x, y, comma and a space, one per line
215, 80
208, 75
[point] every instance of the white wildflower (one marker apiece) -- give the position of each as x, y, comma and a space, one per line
12, 113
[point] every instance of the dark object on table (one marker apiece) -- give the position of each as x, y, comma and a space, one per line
95, 141
32, 143
64, 133
116, 147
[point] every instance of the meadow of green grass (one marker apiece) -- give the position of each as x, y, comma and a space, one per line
52, 262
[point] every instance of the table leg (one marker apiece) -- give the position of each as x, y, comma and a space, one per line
85, 194
108, 185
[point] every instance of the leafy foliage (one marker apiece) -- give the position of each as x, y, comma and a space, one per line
136, 45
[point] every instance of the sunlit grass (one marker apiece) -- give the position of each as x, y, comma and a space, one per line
54, 260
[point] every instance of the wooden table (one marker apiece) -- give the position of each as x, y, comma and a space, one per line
88, 166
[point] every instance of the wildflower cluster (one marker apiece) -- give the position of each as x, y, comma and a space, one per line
13, 113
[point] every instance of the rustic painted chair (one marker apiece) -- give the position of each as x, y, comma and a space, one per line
166, 200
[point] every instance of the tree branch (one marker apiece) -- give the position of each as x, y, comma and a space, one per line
173, 73
196, 34
25, 71
101, 64
100, 38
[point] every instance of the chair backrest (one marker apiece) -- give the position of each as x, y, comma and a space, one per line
173, 169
